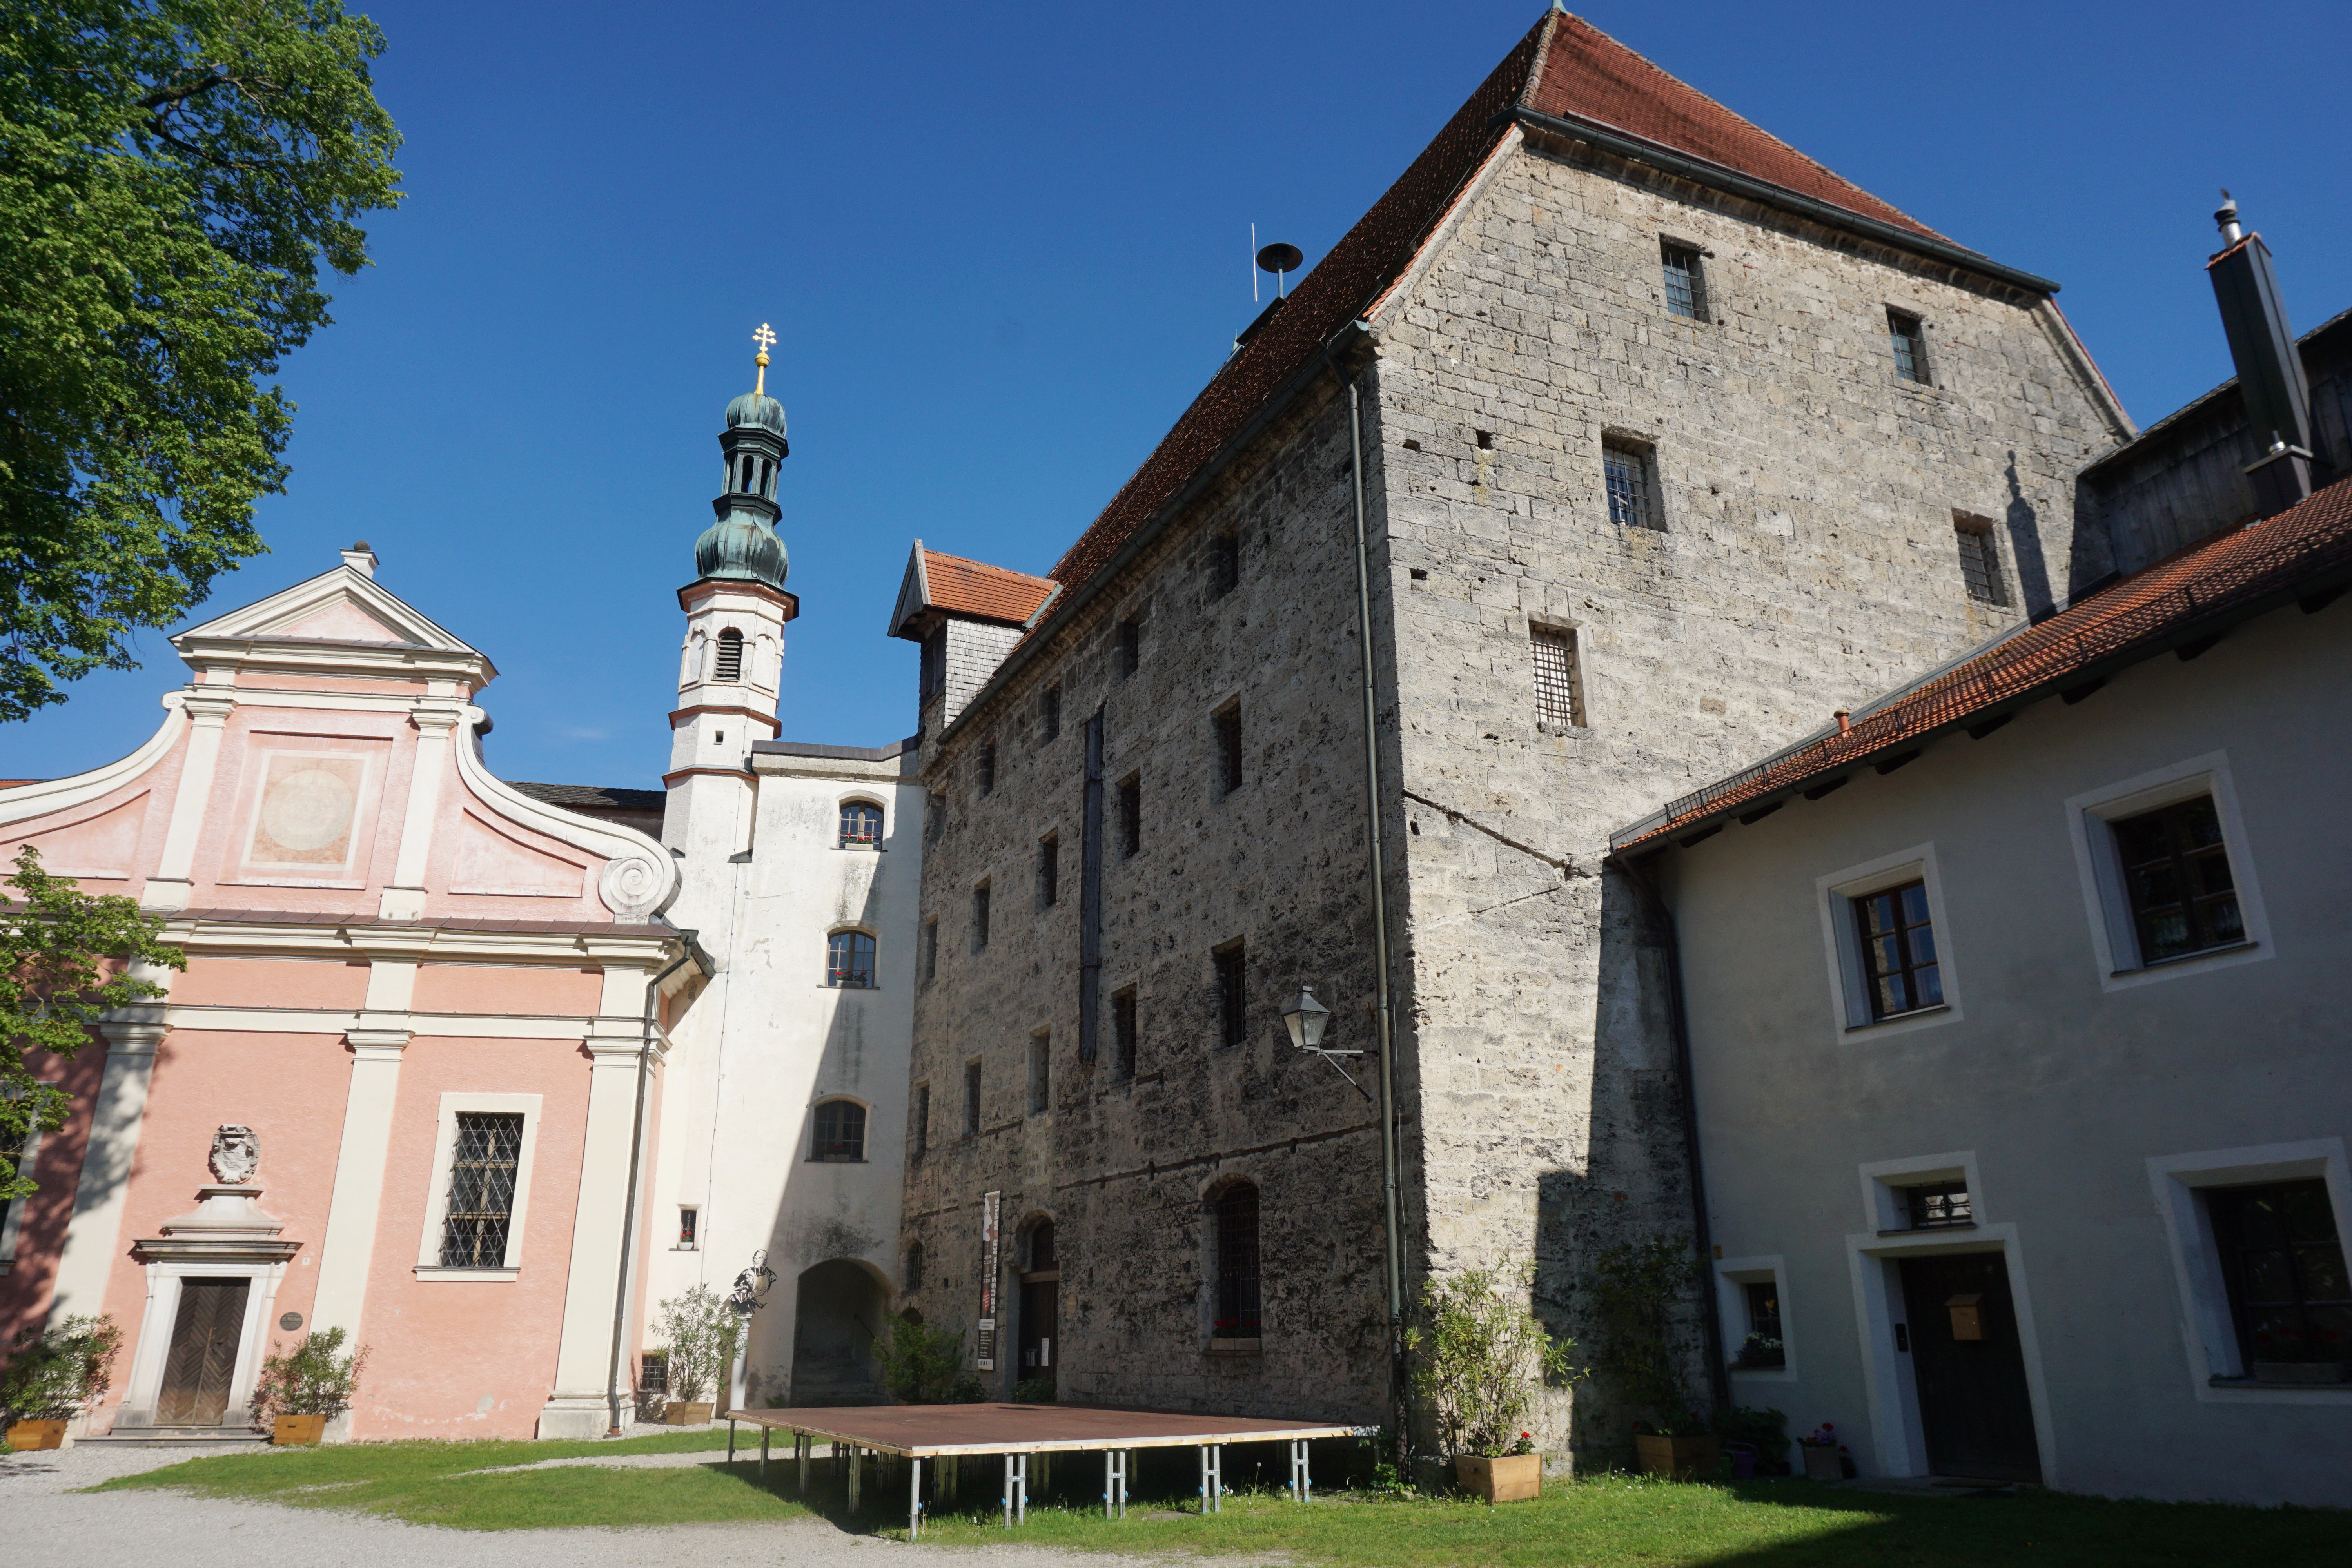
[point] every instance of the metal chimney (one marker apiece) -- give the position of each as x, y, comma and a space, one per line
2270, 370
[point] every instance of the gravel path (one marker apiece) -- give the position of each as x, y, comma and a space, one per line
41, 1512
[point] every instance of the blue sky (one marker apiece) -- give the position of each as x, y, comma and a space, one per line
1003, 246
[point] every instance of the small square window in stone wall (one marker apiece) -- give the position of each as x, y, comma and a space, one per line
1626, 473
1560, 686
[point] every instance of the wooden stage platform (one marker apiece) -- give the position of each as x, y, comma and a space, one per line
921, 1432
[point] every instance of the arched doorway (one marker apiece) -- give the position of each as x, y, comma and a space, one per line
838, 1315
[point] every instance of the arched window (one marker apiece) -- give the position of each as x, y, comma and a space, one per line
861, 825
1236, 1317
849, 961
840, 1132
730, 655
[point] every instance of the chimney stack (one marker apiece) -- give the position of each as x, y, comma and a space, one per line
2270, 369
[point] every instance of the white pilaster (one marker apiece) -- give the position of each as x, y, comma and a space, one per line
170, 887
580, 1406
94, 1234
377, 1044
404, 897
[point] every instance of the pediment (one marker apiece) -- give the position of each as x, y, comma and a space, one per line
339, 606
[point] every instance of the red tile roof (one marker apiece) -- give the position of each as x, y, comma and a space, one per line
1563, 66
962, 587
2192, 593
1591, 75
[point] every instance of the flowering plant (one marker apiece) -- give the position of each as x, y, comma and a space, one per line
1824, 1436
1526, 1445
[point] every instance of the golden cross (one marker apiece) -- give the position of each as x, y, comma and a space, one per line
766, 340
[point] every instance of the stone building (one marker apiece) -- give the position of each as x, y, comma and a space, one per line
1663, 442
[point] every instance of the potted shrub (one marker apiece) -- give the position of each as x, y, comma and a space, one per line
1482, 1353
700, 1335
55, 1375
1635, 1289
299, 1391
1822, 1455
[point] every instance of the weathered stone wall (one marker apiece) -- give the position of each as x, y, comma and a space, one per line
1126, 1170
1807, 561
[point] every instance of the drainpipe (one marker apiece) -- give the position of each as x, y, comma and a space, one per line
1719, 1379
694, 955
1391, 1206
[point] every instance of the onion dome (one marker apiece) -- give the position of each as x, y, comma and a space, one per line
741, 547
756, 408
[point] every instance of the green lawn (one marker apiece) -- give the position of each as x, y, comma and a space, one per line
1604, 1523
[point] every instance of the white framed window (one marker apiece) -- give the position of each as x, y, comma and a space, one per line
2193, 1202
2168, 878
1754, 1297
475, 1212
1887, 941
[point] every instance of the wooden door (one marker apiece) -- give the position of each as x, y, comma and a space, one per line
1973, 1400
203, 1358
1040, 1307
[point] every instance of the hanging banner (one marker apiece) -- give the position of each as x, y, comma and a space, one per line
985, 1350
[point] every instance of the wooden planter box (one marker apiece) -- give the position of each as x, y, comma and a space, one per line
292, 1429
681, 1414
1514, 1478
26, 1437
1822, 1462
1679, 1458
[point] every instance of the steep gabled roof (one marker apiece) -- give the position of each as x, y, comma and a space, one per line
2190, 596
936, 584
1564, 69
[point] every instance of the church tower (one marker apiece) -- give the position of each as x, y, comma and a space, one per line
734, 656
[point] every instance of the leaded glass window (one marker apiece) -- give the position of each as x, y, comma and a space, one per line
474, 1233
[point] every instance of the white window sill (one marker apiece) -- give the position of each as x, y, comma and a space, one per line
2180, 958
467, 1276
1898, 1019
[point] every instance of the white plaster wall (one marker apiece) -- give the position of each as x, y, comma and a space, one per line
769, 1039
2062, 1092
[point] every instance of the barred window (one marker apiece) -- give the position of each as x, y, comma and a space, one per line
1560, 685
1237, 1315
1232, 997
914, 1266
922, 1119
1938, 1205
849, 961
1224, 564
1626, 473
1122, 1035
1908, 336
931, 950
1686, 291
988, 768
980, 918
730, 667
1052, 712
840, 1133
861, 825
1049, 871
653, 1372
972, 1098
1980, 561
1130, 646
1041, 1068
481, 1190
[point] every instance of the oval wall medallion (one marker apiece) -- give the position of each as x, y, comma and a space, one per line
290, 1321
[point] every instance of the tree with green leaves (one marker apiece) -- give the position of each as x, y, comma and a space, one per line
173, 173
66, 959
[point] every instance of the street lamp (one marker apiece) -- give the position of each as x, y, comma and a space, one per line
1306, 1018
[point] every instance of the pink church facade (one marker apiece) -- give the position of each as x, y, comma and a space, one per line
439, 1004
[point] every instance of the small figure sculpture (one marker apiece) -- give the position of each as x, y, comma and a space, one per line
236, 1154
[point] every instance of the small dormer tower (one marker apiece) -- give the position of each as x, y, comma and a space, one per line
732, 663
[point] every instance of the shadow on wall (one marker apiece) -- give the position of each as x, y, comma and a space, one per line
1635, 1186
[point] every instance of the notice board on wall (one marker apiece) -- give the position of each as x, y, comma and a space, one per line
985, 1350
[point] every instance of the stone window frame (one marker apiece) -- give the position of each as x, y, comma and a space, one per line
982, 908
1223, 566
1213, 1193
931, 950
532, 1108
1038, 1072
1850, 1018
1969, 525
1907, 326
2209, 1328
1227, 742
1732, 1276
1579, 716
1642, 451
1229, 964
984, 764
918, 1114
1129, 791
1702, 289
1127, 1032
2114, 941
1049, 869
975, 1085
1128, 632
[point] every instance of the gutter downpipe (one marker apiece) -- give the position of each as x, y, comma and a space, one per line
693, 954
1718, 1378
1399, 1389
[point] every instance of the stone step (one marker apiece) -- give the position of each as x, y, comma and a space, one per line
157, 1435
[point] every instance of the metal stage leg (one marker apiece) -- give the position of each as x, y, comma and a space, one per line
730, 1445
1302, 1485
1016, 1490
802, 1444
764, 1434
914, 1498
1212, 1478
1113, 1483
856, 1464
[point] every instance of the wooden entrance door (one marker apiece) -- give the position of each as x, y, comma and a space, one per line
1973, 1400
203, 1358
1041, 1304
